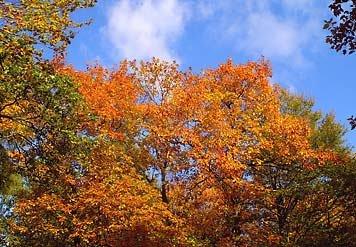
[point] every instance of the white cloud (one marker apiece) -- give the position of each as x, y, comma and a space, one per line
283, 30
286, 32
143, 29
280, 30
265, 34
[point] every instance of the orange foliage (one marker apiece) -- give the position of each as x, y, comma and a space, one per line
187, 160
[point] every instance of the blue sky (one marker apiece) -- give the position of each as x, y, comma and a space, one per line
204, 33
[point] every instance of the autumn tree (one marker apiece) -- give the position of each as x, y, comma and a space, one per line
249, 154
328, 209
149, 155
35, 102
210, 143
221, 158
152, 156
298, 180
237, 161
232, 104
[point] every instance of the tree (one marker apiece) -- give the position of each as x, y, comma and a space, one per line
342, 26
36, 103
105, 199
302, 198
249, 186
160, 157
236, 160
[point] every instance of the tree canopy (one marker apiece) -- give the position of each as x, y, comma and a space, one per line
146, 154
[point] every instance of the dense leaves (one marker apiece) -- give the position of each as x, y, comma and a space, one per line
221, 158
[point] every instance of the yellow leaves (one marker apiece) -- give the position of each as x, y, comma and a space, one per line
12, 119
287, 140
46, 21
